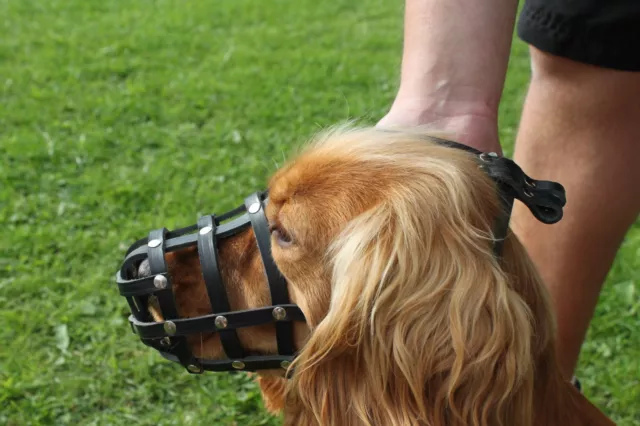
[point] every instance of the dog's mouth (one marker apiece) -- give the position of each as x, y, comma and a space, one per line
201, 341
143, 270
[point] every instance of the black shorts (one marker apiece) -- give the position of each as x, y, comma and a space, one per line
604, 33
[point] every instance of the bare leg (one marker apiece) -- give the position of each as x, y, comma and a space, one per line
580, 127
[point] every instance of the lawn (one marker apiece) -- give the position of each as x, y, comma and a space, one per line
117, 117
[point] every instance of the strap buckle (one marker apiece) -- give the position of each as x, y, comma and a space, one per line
545, 199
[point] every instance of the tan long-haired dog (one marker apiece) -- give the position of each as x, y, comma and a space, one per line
385, 239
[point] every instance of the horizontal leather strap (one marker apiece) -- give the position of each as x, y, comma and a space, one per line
139, 252
139, 286
206, 324
250, 363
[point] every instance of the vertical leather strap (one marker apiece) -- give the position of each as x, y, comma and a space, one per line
208, 254
166, 300
277, 283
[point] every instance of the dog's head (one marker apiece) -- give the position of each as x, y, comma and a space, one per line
386, 243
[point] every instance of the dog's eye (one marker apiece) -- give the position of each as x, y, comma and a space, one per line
282, 238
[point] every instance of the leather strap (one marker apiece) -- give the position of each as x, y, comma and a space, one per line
277, 283
545, 199
208, 255
205, 323
158, 265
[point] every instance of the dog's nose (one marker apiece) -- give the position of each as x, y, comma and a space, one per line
144, 270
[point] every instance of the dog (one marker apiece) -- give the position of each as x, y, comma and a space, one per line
386, 242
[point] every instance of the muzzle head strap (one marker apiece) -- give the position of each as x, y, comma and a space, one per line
545, 199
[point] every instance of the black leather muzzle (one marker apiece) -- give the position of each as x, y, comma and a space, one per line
169, 336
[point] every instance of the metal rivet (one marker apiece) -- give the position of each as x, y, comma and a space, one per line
194, 368
154, 243
170, 327
285, 364
165, 341
221, 322
485, 157
254, 208
527, 193
493, 154
160, 281
206, 230
238, 365
279, 313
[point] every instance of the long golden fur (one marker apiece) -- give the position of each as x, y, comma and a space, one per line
386, 242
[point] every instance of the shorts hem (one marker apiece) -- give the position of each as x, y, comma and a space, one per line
565, 36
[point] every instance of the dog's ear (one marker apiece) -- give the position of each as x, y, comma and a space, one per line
424, 325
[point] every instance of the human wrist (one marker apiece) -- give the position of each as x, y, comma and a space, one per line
469, 121
449, 97
454, 62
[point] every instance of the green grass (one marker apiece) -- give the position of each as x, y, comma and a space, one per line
117, 117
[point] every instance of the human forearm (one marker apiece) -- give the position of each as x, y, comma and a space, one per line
454, 60
457, 50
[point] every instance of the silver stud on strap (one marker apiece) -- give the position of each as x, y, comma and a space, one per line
238, 365
154, 243
254, 208
160, 282
170, 327
206, 230
285, 364
488, 156
165, 341
194, 368
221, 322
279, 313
